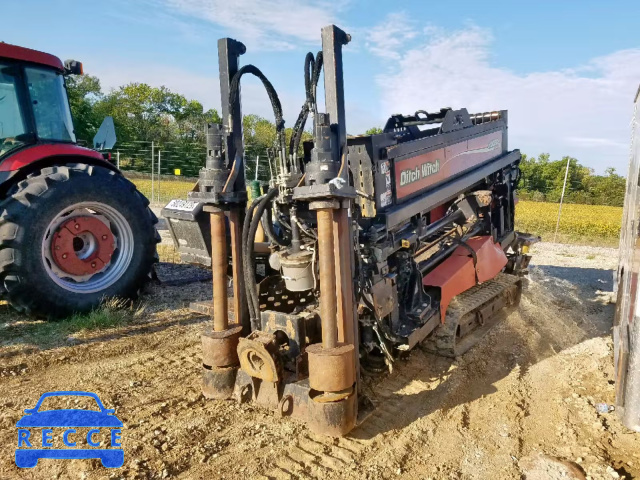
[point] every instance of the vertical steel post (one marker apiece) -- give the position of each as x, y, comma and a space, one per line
229, 51
219, 271
153, 160
239, 300
159, 170
118, 159
219, 345
564, 185
333, 39
326, 267
346, 331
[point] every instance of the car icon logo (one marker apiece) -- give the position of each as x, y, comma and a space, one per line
36, 433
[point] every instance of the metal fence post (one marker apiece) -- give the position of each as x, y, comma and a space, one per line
564, 185
152, 163
118, 159
159, 152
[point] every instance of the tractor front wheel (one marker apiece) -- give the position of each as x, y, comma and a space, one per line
72, 236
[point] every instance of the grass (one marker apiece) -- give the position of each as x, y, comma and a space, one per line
588, 224
113, 313
168, 189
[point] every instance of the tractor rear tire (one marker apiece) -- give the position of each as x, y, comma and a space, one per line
118, 242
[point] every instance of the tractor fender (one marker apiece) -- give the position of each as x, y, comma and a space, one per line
25, 161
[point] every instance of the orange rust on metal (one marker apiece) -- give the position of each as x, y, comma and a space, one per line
327, 397
344, 276
219, 270
331, 369
457, 273
258, 355
219, 348
239, 304
331, 418
91, 233
345, 261
327, 270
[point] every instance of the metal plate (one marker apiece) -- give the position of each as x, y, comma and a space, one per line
183, 205
273, 295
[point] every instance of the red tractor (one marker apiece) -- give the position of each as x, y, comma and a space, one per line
73, 230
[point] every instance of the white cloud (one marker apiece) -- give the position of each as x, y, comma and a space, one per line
386, 39
263, 24
583, 112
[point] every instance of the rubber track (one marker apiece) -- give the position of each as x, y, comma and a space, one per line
443, 341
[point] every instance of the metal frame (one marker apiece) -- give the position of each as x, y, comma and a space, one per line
319, 383
626, 327
229, 51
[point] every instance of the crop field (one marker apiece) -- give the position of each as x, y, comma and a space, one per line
588, 224
163, 191
578, 223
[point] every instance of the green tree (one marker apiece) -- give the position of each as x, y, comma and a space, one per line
373, 131
84, 92
543, 178
142, 112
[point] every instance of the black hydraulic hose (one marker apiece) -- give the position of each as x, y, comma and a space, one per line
267, 226
432, 262
444, 222
250, 282
234, 97
315, 77
312, 69
309, 69
252, 303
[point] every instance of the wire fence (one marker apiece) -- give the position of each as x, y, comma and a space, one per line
164, 171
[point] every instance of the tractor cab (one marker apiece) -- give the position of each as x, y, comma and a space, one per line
34, 107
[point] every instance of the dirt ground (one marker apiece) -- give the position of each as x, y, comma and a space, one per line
522, 404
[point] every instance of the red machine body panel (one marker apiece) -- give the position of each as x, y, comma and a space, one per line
457, 273
14, 52
34, 153
417, 173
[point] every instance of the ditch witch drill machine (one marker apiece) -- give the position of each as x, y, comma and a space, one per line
377, 243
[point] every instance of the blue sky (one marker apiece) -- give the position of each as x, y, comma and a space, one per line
566, 71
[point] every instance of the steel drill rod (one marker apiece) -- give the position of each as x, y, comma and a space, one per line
236, 217
326, 263
219, 271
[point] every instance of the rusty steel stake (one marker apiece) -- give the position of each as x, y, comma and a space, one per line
219, 270
327, 267
235, 227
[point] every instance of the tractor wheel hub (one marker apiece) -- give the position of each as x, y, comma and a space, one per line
82, 245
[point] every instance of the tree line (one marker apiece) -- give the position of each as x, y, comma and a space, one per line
542, 180
142, 113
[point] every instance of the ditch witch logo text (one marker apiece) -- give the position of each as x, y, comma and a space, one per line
414, 174
69, 433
